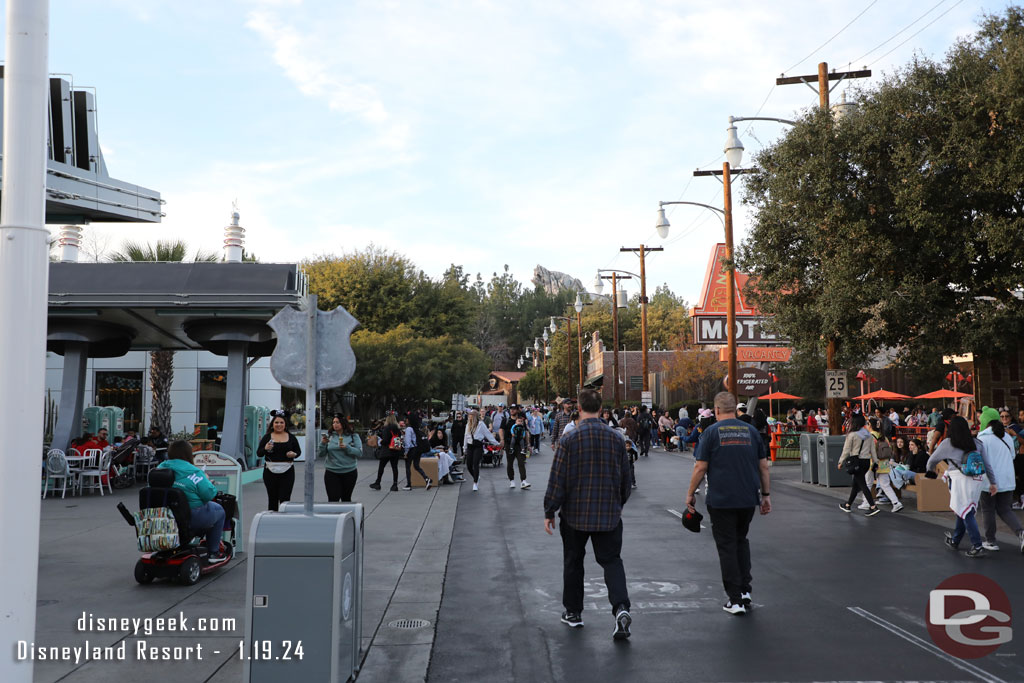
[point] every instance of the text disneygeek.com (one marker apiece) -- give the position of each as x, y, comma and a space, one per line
85, 651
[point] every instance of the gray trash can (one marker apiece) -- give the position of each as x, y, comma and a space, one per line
301, 593
356, 509
829, 450
809, 458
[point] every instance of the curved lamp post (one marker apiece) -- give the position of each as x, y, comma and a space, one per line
618, 300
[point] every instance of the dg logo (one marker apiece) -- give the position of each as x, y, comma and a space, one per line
969, 616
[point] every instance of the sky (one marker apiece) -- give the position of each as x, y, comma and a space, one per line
475, 132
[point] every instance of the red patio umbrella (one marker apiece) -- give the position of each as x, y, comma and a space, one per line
780, 396
882, 395
944, 393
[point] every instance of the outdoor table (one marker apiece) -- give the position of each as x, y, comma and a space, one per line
76, 463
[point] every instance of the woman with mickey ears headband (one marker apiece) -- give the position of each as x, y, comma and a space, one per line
279, 448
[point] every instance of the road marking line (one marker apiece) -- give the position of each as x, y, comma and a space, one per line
911, 638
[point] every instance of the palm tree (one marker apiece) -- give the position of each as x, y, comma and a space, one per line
161, 363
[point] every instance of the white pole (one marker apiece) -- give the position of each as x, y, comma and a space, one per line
24, 271
311, 353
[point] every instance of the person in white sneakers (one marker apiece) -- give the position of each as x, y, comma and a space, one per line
516, 438
883, 456
999, 446
476, 434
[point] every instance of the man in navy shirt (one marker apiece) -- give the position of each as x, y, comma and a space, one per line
731, 454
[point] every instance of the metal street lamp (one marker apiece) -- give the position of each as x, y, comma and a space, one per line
618, 301
642, 252
578, 305
568, 358
731, 166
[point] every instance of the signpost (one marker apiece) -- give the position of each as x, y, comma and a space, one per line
646, 397
758, 354
752, 382
299, 361
836, 385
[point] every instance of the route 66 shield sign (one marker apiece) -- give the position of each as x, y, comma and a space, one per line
335, 360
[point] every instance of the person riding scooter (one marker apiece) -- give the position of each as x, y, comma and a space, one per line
207, 516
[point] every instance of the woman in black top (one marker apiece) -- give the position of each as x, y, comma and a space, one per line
389, 455
437, 438
458, 433
279, 448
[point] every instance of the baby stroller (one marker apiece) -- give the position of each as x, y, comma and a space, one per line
121, 459
492, 455
164, 536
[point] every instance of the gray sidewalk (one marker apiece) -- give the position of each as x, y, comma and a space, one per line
88, 554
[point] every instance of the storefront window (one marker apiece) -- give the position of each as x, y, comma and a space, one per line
212, 394
121, 388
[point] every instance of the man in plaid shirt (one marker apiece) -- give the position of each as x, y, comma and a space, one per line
561, 419
588, 485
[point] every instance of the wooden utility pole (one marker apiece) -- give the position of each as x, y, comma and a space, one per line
730, 281
642, 251
823, 77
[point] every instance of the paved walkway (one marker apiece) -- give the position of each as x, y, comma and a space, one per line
479, 568
88, 555
828, 587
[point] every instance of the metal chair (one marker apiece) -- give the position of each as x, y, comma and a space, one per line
97, 473
57, 468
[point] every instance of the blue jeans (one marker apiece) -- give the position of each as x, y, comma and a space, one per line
209, 519
970, 525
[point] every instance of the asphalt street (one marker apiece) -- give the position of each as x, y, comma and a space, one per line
838, 597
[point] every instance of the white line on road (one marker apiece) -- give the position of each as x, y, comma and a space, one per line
928, 647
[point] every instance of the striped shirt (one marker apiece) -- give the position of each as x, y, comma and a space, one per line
590, 479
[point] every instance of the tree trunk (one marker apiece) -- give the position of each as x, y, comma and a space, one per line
161, 374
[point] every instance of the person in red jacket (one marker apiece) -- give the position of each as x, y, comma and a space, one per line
812, 422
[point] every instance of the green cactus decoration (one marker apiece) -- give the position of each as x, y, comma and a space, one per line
49, 418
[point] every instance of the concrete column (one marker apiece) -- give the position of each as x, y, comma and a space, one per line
232, 440
72, 395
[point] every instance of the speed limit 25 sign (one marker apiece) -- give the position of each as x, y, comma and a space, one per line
835, 384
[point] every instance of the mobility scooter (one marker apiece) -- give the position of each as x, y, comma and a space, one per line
165, 537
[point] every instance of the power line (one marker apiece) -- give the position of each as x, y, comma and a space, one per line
870, 5
895, 35
918, 31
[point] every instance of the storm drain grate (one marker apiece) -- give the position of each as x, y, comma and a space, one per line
409, 623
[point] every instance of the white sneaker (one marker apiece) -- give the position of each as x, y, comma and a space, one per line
525, 485
897, 507
511, 483
989, 546
864, 506
476, 487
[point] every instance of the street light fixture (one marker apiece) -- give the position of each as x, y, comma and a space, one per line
731, 166
578, 306
618, 301
568, 358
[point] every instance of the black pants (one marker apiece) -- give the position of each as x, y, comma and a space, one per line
645, 441
457, 443
860, 485
279, 487
518, 458
729, 527
607, 548
413, 462
1000, 503
535, 441
392, 458
340, 485
474, 454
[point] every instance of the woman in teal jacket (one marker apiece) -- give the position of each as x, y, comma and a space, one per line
342, 448
207, 516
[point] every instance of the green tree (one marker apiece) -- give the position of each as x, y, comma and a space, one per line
162, 250
895, 226
698, 374
531, 386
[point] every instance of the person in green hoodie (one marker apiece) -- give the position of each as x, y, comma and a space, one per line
207, 515
341, 447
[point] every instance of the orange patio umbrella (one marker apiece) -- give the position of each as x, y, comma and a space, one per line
882, 395
944, 393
